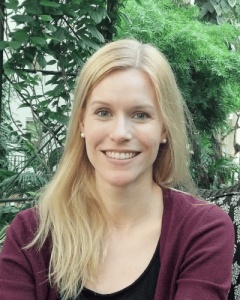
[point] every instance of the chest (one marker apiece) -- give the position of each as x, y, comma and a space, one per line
123, 263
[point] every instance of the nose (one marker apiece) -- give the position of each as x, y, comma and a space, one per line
121, 129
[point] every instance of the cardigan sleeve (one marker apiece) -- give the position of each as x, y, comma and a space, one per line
22, 272
205, 272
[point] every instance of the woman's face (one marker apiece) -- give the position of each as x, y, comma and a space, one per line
123, 128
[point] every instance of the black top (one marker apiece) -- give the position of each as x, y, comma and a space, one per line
141, 289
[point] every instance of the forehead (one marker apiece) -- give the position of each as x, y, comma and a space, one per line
130, 86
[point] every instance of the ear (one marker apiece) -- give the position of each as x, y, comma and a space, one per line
81, 118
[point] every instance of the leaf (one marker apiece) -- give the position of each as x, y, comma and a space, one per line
20, 35
23, 105
46, 18
51, 62
57, 90
50, 3
32, 8
59, 34
27, 135
97, 17
37, 40
88, 42
32, 193
41, 60
208, 6
224, 5
14, 45
61, 118
22, 18
217, 8
3, 45
121, 14
232, 3
63, 62
77, 58
102, 11
220, 20
13, 4
95, 33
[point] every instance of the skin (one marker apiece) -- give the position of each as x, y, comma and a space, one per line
112, 121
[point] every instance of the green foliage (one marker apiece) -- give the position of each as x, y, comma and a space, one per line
207, 73
210, 169
218, 11
44, 53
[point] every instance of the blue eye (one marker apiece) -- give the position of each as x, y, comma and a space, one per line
102, 113
141, 116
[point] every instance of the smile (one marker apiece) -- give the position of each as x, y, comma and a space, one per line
121, 156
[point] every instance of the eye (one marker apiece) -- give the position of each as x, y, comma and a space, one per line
141, 116
102, 113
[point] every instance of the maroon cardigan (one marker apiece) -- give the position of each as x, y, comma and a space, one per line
196, 252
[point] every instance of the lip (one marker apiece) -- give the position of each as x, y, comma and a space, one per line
120, 161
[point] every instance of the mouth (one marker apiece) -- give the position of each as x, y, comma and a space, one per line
121, 156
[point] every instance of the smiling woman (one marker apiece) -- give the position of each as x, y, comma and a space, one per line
110, 225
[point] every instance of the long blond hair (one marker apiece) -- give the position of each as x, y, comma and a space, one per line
68, 209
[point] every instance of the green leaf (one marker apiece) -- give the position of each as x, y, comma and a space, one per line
68, 11
20, 35
41, 60
95, 32
88, 42
232, 3
27, 135
51, 62
50, 3
59, 34
32, 8
44, 103
97, 17
50, 27
225, 6
57, 90
63, 62
22, 18
14, 45
60, 118
37, 40
102, 11
13, 4
209, 7
23, 105
77, 58
46, 18
3, 45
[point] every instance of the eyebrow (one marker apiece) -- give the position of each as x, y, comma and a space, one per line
144, 106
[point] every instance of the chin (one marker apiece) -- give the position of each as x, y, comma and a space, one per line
118, 181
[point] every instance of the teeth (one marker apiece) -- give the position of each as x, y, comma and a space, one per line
120, 156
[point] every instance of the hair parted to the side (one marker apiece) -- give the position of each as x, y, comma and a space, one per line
69, 209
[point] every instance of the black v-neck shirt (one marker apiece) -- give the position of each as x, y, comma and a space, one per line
141, 289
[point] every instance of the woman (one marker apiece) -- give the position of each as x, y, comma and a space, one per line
109, 225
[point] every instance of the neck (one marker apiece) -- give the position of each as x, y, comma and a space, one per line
128, 206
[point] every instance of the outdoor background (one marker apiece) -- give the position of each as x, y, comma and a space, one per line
43, 45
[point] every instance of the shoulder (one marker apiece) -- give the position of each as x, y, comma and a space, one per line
182, 208
24, 225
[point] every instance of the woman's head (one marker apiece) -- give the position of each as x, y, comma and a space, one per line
124, 55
